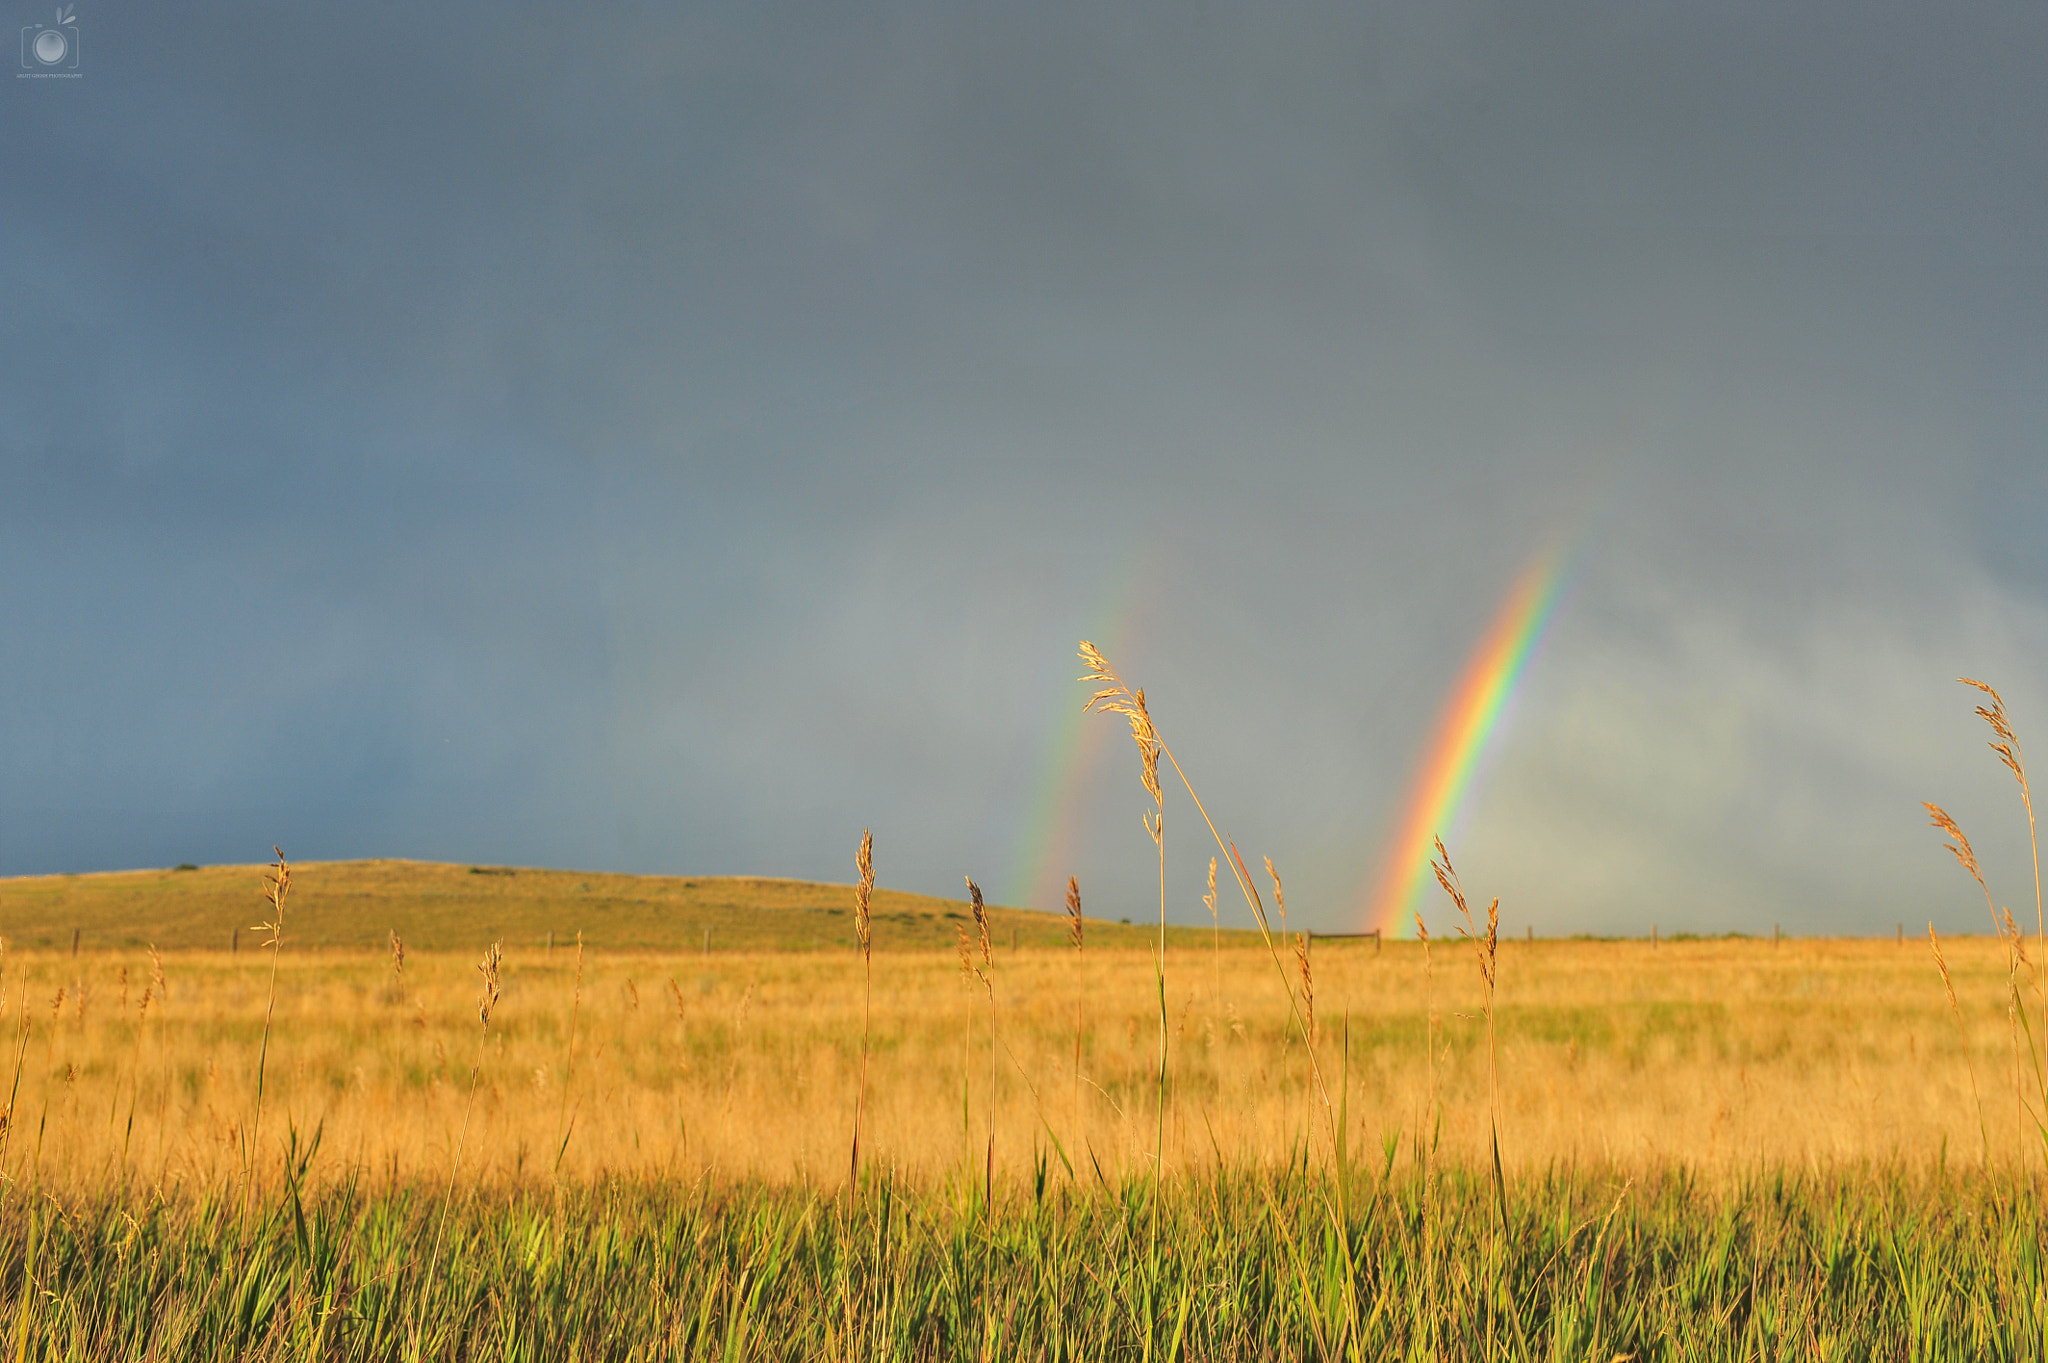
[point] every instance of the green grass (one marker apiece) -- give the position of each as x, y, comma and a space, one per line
435, 906
1872, 1263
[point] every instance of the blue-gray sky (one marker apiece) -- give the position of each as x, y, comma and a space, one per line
676, 438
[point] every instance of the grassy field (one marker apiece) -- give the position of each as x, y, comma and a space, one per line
1712, 1149
1725, 1057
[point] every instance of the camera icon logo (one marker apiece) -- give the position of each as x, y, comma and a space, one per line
47, 47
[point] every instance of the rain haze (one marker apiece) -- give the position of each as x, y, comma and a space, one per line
675, 439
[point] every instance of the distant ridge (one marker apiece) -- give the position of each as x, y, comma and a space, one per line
341, 905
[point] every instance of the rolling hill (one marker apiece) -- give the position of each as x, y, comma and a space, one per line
436, 906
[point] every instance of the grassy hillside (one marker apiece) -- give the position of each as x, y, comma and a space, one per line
434, 906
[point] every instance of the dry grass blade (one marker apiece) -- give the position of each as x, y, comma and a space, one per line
276, 886
563, 1123
487, 1003
1215, 935
1114, 695
1279, 895
985, 972
1308, 986
863, 922
1487, 949
2007, 746
1969, 1058
1074, 931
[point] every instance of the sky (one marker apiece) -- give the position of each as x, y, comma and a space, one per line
677, 438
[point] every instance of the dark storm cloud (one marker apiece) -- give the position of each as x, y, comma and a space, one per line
675, 441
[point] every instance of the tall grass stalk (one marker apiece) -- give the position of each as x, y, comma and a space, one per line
863, 926
565, 1121
487, 1004
2016, 1017
972, 976
2006, 744
1486, 949
1215, 939
277, 885
1117, 697
134, 1082
1963, 1036
1425, 1150
11, 1118
1114, 695
986, 974
1076, 929
162, 985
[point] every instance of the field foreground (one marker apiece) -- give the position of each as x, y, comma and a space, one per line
1723, 1057
1863, 1264
1719, 1149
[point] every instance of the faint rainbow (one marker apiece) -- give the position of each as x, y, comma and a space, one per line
1468, 719
1045, 850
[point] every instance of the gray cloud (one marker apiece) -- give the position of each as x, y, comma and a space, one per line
678, 441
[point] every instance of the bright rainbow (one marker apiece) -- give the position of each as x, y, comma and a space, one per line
1462, 729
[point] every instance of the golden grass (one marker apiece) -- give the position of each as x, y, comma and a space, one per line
1723, 1056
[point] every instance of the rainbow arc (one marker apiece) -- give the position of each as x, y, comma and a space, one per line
1459, 738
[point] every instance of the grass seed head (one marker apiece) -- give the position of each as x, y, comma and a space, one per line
980, 921
277, 883
1965, 855
494, 958
1941, 964
1447, 876
2007, 743
863, 892
1074, 910
1115, 697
